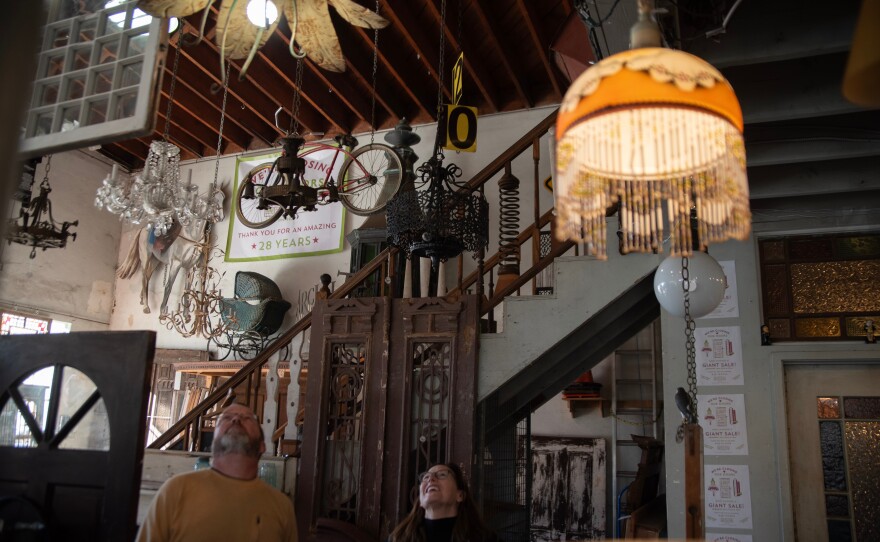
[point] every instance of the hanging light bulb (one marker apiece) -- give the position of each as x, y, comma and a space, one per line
705, 277
262, 13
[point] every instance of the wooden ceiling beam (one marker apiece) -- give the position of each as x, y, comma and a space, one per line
260, 87
284, 67
336, 83
542, 45
204, 113
392, 98
493, 33
472, 63
187, 122
402, 19
199, 82
394, 63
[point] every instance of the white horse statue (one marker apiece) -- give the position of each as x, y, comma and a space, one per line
180, 248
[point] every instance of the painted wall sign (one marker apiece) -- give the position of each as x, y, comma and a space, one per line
310, 234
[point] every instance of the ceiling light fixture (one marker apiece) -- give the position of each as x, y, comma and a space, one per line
659, 133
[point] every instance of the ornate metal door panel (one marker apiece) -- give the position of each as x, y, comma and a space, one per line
392, 392
432, 394
344, 414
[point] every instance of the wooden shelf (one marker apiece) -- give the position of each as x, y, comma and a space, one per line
580, 405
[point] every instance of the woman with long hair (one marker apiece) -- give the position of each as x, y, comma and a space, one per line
444, 511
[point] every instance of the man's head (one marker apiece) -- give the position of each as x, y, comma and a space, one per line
238, 432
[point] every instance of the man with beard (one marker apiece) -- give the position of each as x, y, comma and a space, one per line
227, 501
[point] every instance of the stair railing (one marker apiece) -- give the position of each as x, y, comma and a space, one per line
187, 430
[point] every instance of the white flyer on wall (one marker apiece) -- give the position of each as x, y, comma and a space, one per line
719, 537
729, 306
728, 497
723, 419
719, 356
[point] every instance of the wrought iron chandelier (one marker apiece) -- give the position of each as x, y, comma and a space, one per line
435, 216
32, 228
157, 196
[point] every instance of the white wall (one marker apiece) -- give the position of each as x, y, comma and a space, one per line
74, 284
297, 275
764, 401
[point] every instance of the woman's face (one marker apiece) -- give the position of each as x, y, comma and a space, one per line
438, 492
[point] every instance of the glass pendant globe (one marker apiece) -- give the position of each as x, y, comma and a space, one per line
262, 13
706, 280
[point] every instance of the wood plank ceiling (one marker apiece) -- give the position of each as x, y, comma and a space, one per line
508, 66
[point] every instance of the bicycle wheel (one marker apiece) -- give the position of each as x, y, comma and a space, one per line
251, 208
370, 178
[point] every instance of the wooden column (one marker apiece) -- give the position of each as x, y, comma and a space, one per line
693, 481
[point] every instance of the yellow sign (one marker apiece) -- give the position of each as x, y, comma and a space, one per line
461, 128
457, 76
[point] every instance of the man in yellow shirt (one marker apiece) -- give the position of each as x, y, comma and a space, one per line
227, 501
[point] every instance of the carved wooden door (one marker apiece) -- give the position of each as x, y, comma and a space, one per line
391, 393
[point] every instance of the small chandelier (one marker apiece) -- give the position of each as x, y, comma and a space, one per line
658, 132
34, 229
442, 219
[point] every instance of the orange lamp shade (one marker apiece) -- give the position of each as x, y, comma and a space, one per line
658, 132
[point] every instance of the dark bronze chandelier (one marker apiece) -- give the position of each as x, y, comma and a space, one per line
35, 225
441, 219
433, 215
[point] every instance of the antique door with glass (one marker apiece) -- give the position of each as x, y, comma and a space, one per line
833, 434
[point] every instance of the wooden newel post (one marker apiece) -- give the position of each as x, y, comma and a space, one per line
693, 481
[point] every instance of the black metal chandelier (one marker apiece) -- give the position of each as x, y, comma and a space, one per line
434, 216
35, 226
441, 219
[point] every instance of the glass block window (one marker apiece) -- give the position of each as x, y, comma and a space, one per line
821, 287
850, 466
97, 76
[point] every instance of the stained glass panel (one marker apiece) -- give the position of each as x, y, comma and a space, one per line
837, 506
866, 408
828, 407
820, 287
833, 468
863, 459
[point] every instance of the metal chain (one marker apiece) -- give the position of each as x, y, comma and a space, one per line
45, 182
375, 67
689, 327
222, 122
440, 69
173, 84
294, 120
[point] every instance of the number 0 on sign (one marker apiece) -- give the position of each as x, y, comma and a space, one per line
461, 128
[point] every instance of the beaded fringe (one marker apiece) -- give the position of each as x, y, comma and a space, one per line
650, 209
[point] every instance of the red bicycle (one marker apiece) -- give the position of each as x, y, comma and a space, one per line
369, 177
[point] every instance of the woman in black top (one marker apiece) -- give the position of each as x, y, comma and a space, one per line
445, 511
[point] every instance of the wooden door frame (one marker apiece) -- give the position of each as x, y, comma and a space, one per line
806, 354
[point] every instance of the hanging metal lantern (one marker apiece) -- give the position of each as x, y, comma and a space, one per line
35, 225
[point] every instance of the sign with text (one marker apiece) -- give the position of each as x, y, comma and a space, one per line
310, 234
461, 128
723, 419
457, 78
728, 497
719, 356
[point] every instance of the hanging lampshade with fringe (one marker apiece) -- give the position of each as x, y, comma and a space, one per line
658, 132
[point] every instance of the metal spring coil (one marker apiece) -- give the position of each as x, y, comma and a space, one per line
508, 223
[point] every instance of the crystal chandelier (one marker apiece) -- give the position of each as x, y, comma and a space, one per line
157, 196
